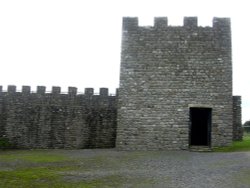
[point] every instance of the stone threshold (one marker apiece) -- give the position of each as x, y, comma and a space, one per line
200, 148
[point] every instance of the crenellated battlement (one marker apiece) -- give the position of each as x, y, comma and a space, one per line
44, 119
162, 22
56, 91
190, 22
166, 70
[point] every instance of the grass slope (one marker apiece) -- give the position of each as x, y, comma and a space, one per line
237, 145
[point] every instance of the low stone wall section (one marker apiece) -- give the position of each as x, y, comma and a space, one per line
56, 120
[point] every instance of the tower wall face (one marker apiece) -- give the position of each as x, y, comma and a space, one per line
237, 125
165, 70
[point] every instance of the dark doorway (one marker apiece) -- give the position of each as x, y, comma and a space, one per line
200, 130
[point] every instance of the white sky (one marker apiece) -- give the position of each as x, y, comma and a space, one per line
77, 43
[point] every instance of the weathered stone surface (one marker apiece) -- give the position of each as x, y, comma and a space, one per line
166, 70
237, 124
55, 120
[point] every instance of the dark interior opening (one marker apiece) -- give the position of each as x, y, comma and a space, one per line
200, 130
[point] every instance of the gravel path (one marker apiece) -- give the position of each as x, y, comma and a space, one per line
143, 169
163, 169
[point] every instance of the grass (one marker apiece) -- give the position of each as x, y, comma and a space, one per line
52, 168
237, 145
44, 177
28, 177
56, 168
35, 156
34, 168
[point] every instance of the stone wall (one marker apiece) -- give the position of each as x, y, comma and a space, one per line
237, 124
165, 70
55, 120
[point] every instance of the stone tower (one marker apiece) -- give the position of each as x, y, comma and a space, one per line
175, 85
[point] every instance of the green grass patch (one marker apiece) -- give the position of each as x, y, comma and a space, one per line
42, 177
27, 177
34, 168
53, 168
243, 145
39, 177
36, 156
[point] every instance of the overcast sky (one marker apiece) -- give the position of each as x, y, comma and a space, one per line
77, 43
